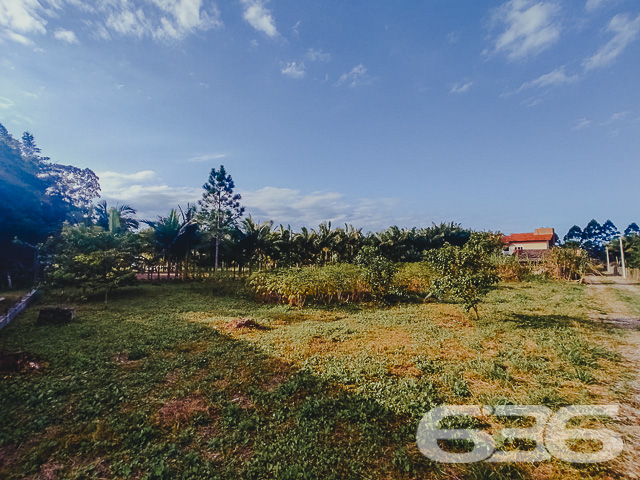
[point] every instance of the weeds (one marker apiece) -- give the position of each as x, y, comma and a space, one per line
154, 386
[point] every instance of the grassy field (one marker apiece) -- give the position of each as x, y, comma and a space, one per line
156, 385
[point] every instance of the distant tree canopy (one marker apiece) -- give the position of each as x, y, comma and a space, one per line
37, 196
594, 236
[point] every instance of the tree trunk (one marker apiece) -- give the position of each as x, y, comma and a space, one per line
217, 248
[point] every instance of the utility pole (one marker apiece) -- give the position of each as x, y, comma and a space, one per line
624, 270
606, 249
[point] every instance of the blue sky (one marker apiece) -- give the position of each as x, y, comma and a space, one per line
502, 115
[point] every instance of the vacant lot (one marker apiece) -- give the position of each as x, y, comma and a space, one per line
158, 385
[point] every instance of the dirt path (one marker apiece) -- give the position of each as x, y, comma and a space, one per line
611, 309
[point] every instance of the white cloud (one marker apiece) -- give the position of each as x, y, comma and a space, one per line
17, 37
65, 35
185, 17
145, 192
19, 18
293, 70
208, 157
582, 123
530, 27
295, 28
150, 196
532, 102
291, 206
158, 19
461, 87
356, 77
5, 103
592, 5
615, 117
318, 55
625, 31
128, 23
259, 17
114, 180
453, 37
552, 79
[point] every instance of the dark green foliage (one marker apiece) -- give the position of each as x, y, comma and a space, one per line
574, 235
609, 231
36, 197
632, 229
631, 246
118, 219
92, 259
465, 274
378, 270
220, 207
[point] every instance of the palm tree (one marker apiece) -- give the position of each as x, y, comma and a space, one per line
306, 245
188, 236
118, 219
351, 242
255, 240
165, 232
325, 241
282, 246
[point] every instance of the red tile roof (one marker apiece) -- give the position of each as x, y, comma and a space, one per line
527, 237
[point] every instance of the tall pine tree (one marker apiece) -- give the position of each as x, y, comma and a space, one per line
220, 207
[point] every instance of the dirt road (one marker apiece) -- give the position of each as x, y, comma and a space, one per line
610, 296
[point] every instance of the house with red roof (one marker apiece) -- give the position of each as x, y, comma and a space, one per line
530, 246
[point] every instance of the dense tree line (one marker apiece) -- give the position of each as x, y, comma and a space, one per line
595, 238
109, 244
36, 197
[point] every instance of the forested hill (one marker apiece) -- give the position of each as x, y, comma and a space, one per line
37, 195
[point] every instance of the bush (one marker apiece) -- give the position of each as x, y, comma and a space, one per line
224, 282
378, 270
567, 264
509, 268
296, 286
413, 278
92, 259
465, 274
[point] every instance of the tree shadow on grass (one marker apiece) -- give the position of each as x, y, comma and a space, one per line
527, 320
197, 403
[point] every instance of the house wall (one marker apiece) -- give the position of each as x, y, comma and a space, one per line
528, 246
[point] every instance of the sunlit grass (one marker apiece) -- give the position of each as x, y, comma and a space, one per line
154, 385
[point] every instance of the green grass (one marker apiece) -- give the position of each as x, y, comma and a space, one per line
11, 297
633, 301
154, 386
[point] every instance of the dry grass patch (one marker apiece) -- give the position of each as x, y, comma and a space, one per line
180, 411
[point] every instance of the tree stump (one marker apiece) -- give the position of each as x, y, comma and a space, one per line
55, 315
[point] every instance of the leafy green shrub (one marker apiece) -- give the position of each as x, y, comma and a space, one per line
297, 286
413, 278
378, 270
509, 268
92, 259
465, 273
